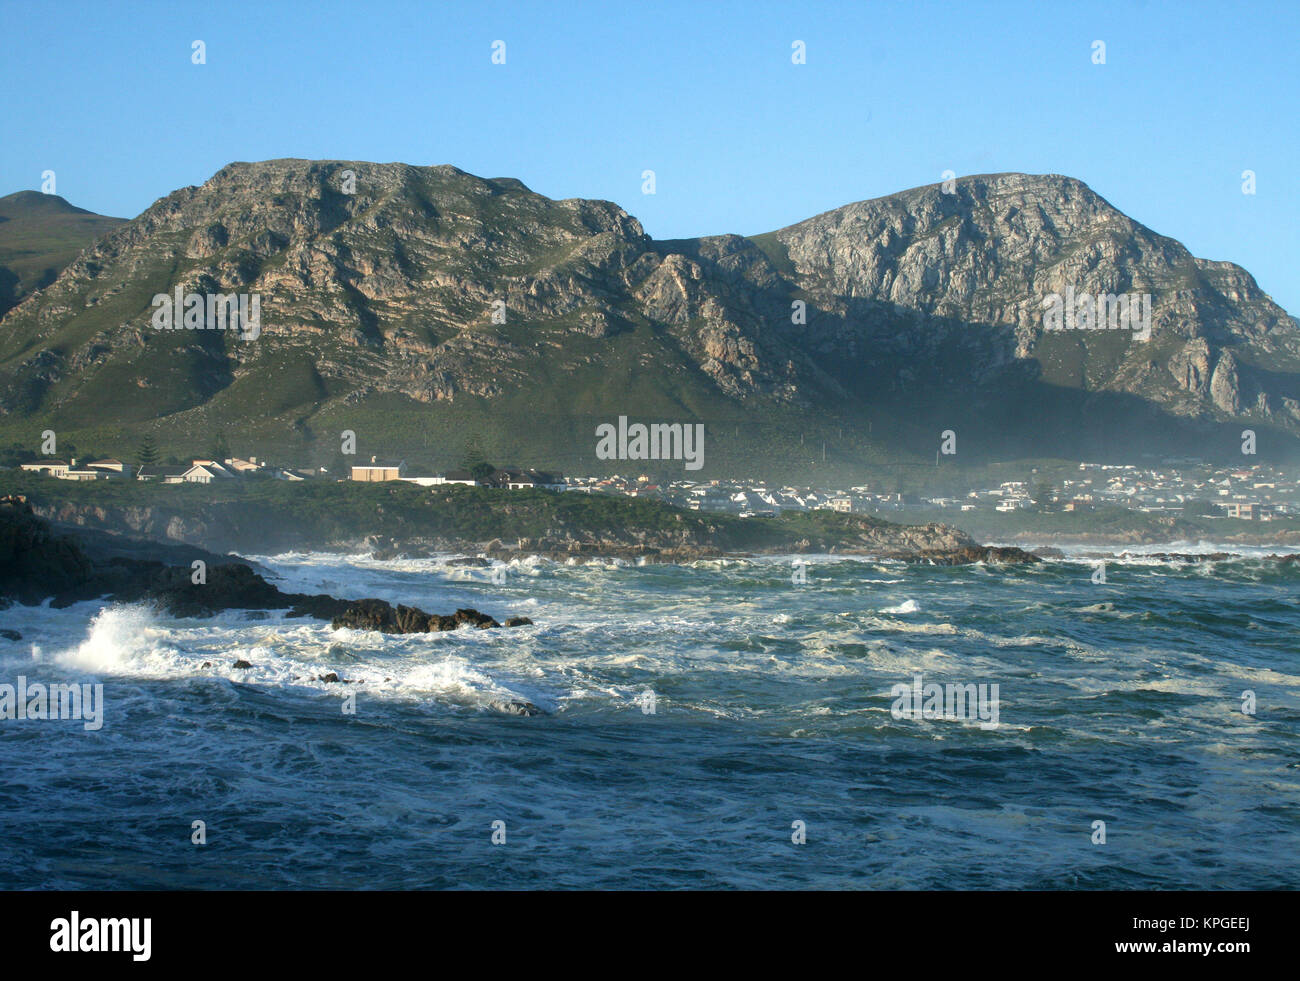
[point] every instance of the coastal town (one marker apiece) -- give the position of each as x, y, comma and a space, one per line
1247, 493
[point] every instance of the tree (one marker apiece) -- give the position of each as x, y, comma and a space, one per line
340, 468
148, 452
15, 454
1043, 494
220, 449
476, 463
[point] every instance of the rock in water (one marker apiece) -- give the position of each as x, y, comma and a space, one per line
376, 614
517, 707
475, 619
967, 555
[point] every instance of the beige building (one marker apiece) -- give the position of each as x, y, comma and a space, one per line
375, 472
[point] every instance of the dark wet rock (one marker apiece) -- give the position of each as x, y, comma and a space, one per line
11, 635
241, 665
1181, 556
384, 554
320, 607
226, 587
329, 677
518, 622
477, 561
206, 664
1048, 552
475, 619
518, 707
36, 563
968, 555
376, 614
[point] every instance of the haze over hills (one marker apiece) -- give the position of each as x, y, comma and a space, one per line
923, 313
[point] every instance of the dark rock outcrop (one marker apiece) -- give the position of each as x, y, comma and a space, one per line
36, 563
1181, 556
224, 587
968, 555
376, 614
517, 707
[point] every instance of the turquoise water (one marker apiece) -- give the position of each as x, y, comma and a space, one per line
771, 704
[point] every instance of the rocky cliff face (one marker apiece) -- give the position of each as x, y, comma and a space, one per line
973, 266
430, 298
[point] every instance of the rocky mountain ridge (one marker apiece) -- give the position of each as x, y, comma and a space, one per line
415, 305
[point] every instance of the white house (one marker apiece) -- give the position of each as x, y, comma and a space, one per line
162, 474
457, 477
55, 468
79, 473
205, 472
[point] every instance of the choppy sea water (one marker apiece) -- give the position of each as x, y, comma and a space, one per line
1120, 703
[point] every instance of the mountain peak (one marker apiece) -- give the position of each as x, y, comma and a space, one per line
25, 204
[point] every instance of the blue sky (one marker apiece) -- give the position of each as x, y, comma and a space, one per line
703, 93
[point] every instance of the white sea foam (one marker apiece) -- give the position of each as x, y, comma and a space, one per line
907, 606
123, 640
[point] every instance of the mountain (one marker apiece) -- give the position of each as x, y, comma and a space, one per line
923, 313
39, 235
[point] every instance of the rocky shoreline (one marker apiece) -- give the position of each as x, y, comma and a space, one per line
659, 537
38, 562
482, 555
66, 565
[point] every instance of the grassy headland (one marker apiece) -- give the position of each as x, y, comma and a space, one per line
264, 515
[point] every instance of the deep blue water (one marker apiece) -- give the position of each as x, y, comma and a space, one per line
771, 705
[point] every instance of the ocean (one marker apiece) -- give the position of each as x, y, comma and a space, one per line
713, 725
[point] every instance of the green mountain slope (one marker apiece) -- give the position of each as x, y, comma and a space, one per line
429, 308
39, 235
